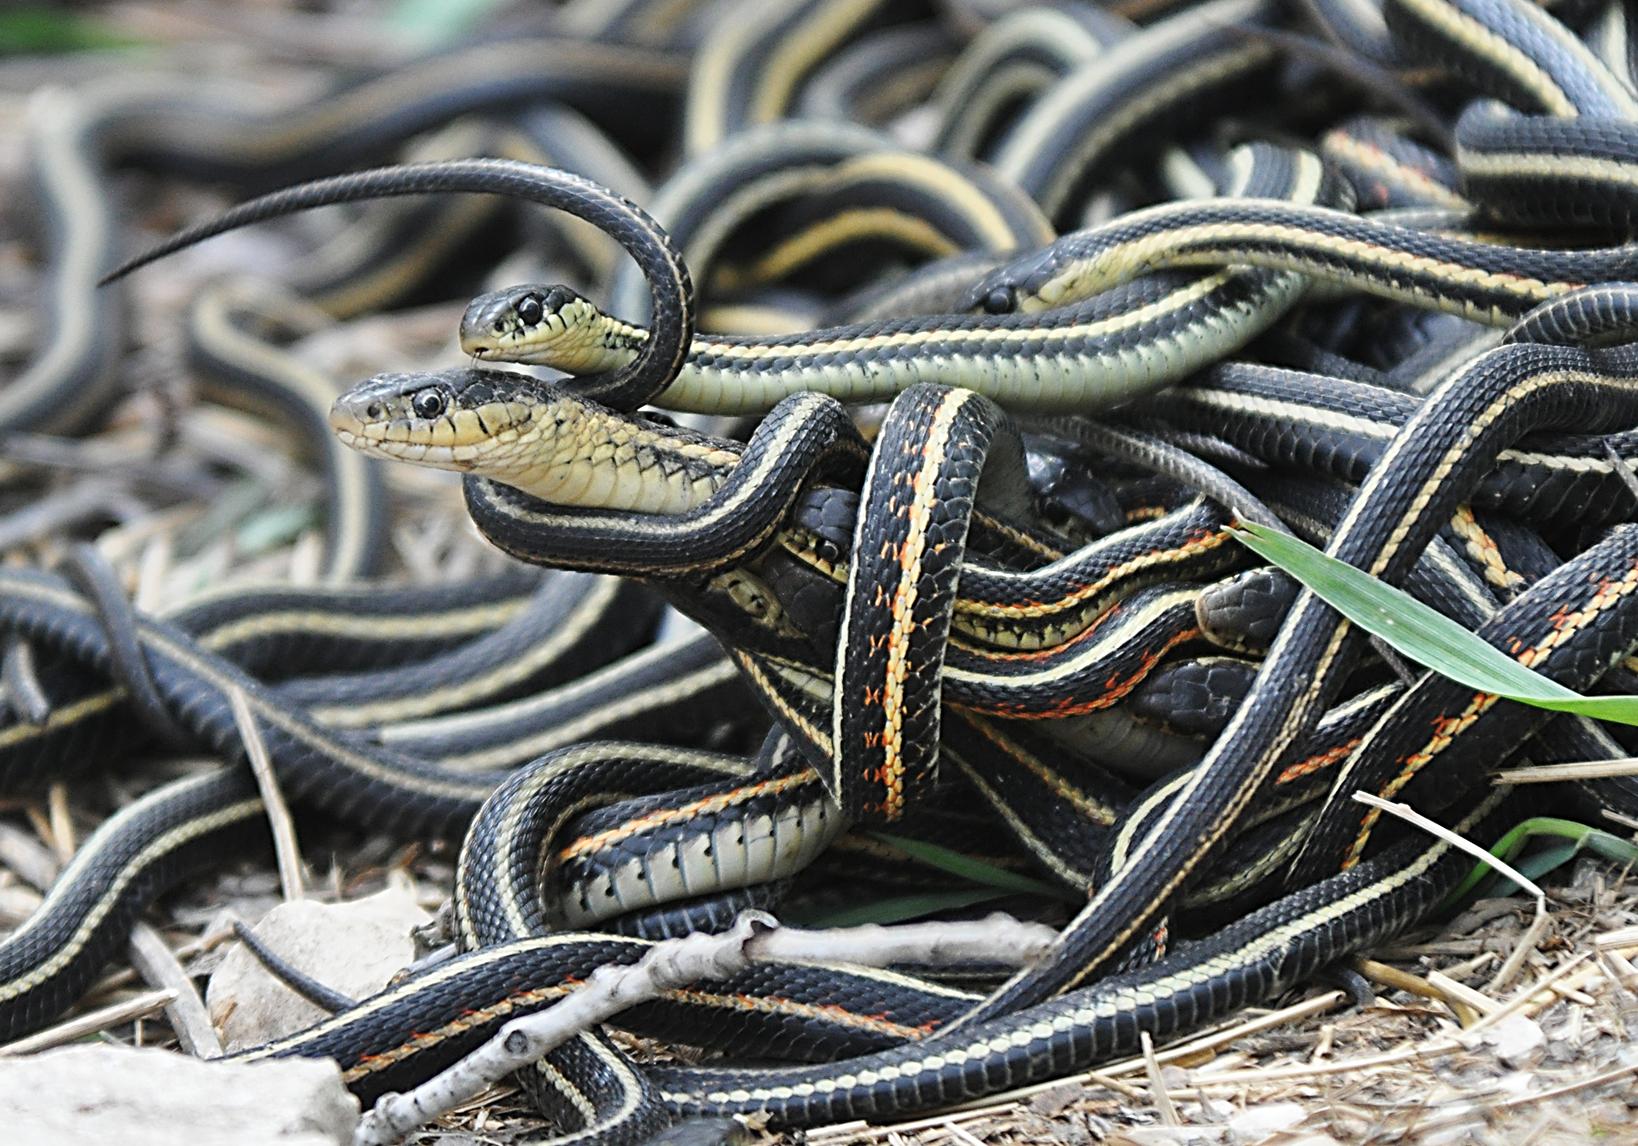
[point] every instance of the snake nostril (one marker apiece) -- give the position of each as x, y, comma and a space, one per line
373, 410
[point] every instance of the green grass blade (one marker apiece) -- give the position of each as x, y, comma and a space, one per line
1423, 634
1538, 864
1581, 837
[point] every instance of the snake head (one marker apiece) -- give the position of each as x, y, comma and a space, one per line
447, 419
1021, 286
531, 435
546, 325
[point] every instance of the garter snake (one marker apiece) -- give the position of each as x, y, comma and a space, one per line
709, 545
749, 73
1424, 473
1102, 350
613, 493
880, 75
232, 135
1389, 168
1548, 627
359, 661
692, 515
1571, 384
627, 386
1294, 419
277, 631
1143, 88
410, 1029
1480, 281
1016, 56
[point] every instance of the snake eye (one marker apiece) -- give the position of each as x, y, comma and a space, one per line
1001, 300
530, 310
427, 404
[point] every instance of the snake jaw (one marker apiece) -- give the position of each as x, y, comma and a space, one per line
437, 421
546, 325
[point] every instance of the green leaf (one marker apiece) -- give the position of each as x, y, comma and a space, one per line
1423, 634
968, 868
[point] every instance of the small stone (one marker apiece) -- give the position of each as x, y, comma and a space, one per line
140, 1097
1517, 1040
1053, 1102
1264, 1119
354, 948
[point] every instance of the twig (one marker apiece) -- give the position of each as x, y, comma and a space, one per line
607, 991
1525, 995
285, 849
1389, 976
1616, 817
1469, 967
158, 964
1432, 827
27, 858
966, 1136
1111, 1082
1455, 990
125, 976
1619, 970
1572, 1087
91, 1022
1578, 770
1523, 949
1538, 926
676, 963
996, 938
41, 823
1620, 939
1157, 1085
62, 823
1436, 1049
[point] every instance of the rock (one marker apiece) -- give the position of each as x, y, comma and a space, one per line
1517, 1040
353, 948
1264, 1120
1054, 1101
157, 1098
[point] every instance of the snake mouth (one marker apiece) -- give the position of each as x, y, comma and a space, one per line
404, 450
346, 425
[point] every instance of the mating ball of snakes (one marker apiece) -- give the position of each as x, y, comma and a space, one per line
811, 468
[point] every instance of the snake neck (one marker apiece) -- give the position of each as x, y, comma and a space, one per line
596, 343
581, 455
